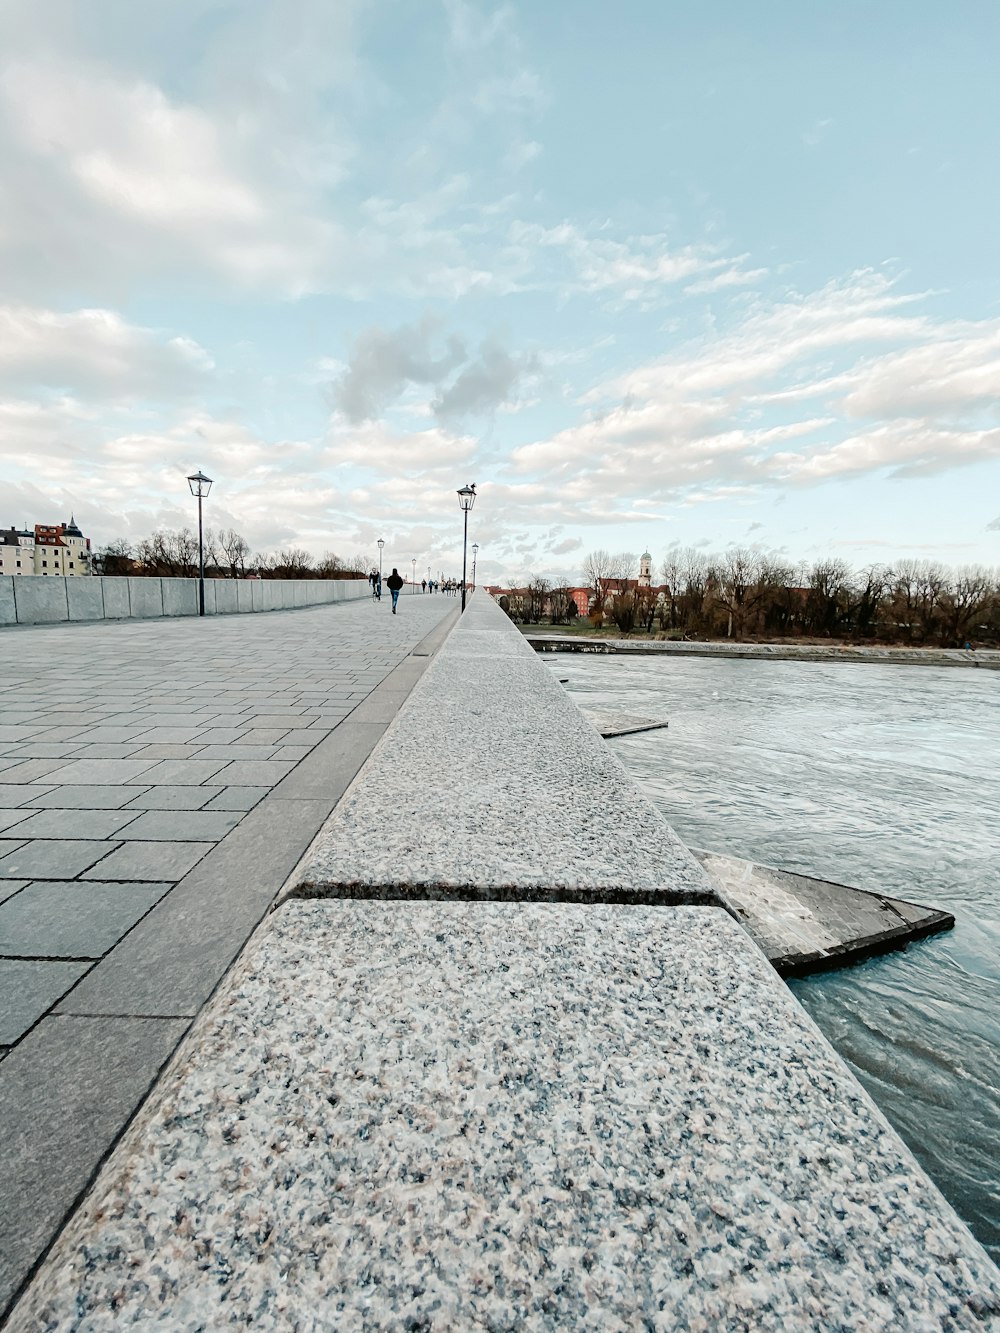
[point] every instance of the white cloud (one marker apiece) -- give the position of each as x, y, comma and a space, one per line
95, 353
701, 424
107, 176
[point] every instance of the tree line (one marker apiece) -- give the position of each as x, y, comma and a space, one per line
228, 555
746, 593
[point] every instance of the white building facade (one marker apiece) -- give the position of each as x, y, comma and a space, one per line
57, 550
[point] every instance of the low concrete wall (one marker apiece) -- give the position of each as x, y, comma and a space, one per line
31, 600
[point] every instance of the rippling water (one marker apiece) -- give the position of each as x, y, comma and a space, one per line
884, 777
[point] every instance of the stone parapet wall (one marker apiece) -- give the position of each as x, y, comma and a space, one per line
28, 600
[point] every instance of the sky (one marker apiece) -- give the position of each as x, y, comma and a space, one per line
650, 274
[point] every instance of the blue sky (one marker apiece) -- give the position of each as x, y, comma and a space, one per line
650, 274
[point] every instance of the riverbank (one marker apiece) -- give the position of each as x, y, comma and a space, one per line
554, 642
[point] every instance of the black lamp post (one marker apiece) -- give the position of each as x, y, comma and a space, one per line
413, 586
200, 487
466, 498
475, 557
380, 543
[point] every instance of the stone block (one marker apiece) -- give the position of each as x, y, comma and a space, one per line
40, 601
8, 611
28, 988
50, 919
210, 587
226, 597
180, 597
116, 598
65, 1094
244, 594
567, 1117
145, 598
85, 598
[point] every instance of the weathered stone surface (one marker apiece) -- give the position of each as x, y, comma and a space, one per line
180, 597
145, 598
569, 1116
85, 598
39, 601
491, 784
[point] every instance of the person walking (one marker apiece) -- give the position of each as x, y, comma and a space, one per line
394, 582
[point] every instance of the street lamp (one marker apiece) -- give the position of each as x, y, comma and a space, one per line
413, 589
200, 487
475, 557
466, 499
380, 543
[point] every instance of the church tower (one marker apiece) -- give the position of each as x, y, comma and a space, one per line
645, 570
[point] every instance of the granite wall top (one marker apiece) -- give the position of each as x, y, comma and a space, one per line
510, 1115
492, 784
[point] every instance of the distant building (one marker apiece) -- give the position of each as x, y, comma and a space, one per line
59, 549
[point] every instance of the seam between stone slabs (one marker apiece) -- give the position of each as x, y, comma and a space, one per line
619, 895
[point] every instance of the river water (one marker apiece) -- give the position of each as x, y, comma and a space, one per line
884, 777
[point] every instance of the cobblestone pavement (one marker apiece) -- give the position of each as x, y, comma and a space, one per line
159, 780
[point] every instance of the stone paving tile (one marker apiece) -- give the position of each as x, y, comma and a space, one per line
106, 751
263, 736
174, 798
260, 773
105, 735
8, 887
236, 798
181, 772
10, 735
99, 772
41, 750
220, 735
230, 752
293, 753
287, 720
51, 919
28, 989
169, 735
149, 861
30, 770
305, 735
86, 798
8, 818
181, 826
90, 824
51, 858
168, 752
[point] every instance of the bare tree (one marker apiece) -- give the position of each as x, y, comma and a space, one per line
744, 581
234, 550
964, 602
293, 563
115, 558
537, 598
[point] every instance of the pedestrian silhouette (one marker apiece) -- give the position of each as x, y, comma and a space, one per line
394, 582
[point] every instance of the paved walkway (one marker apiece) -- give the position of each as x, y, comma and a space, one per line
158, 783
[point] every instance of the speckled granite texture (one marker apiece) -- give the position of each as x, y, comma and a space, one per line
492, 784
542, 1116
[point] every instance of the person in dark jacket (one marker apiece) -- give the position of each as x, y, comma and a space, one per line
394, 582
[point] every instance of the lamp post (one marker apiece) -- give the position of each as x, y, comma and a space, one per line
413, 587
466, 499
380, 543
475, 557
200, 487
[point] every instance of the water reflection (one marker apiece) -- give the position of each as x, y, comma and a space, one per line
878, 776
